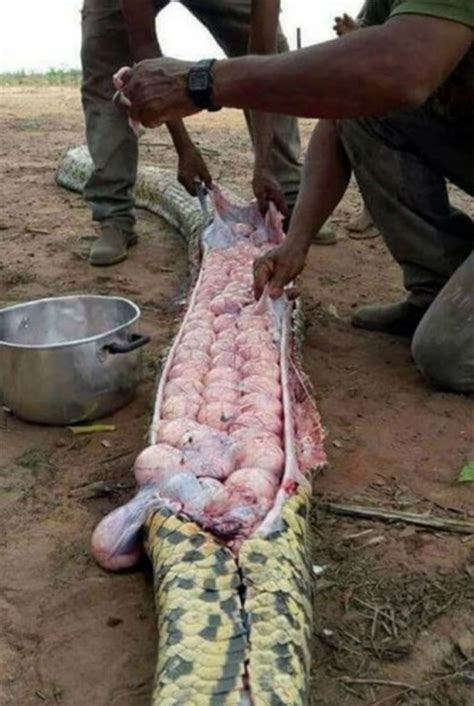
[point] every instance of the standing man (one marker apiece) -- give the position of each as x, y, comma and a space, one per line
400, 116
120, 32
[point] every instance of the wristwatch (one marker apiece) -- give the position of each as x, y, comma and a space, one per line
199, 84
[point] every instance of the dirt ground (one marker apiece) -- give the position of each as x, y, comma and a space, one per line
394, 622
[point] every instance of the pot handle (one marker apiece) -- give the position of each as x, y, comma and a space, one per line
134, 341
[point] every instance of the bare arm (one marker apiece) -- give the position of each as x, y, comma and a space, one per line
325, 177
262, 41
140, 16
371, 72
393, 67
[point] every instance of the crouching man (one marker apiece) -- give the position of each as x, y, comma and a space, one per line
396, 103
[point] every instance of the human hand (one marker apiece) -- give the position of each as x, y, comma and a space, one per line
344, 25
276, 269
267, 188
156, 91
192, 168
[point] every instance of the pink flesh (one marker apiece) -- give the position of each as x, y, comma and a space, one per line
181, 406
261, 384
189, 354
233, 431
222, 374
221, 392
155, 460
260, 453
261, 369
179, 386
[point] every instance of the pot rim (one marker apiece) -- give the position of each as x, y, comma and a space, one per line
77, 341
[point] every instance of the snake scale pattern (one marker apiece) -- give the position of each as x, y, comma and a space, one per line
233, 630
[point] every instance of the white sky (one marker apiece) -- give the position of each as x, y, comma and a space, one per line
42, 34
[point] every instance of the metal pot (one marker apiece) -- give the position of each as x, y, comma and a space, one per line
69, 359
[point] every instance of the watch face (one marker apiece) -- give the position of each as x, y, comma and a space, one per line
198, 81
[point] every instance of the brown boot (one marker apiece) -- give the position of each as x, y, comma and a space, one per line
325, 236
111, 246
399, 319
362, 226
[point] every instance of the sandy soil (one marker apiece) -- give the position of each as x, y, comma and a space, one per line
393, 601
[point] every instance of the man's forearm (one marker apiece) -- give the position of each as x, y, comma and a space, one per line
263, 27
180, 136
139, 16
263, 130
263, 40
369, 72
324, 181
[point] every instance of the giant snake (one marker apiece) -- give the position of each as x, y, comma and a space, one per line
234, 617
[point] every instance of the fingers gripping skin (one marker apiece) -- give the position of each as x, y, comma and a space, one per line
325, 178
156, 89
191, 166
191, 169
263, 40
267, 189
276, 269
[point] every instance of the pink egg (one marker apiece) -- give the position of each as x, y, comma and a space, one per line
257, 383
260, 419
224, 321
222, 374
191, 371
180, 406
259, 453
218, 415
221, 392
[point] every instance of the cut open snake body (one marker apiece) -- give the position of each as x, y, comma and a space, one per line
224, 486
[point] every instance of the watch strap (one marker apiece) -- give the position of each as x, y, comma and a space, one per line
200, 83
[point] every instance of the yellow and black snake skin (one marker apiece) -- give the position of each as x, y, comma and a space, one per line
223, 623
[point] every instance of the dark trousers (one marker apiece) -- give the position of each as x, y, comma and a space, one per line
111, 142
401, 163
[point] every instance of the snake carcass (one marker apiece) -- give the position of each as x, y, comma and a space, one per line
224, 486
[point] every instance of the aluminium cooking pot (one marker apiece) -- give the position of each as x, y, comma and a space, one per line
69, 359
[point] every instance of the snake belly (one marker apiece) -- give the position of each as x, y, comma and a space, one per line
232, 589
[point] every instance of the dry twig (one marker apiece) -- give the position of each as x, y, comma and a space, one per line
418, 687
373, 513
378, 682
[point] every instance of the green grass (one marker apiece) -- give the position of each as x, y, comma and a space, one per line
52, 77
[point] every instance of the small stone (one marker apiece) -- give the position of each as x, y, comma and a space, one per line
319, 569
113, 622
332, 310
465, 645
